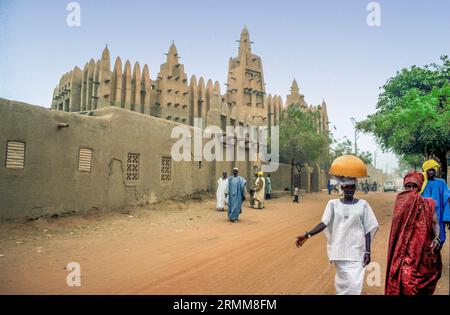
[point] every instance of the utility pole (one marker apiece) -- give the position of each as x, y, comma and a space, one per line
353, 120
375, 159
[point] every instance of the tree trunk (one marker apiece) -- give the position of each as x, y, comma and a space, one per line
292, 177
443, 158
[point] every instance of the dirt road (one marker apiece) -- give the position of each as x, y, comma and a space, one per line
184, 248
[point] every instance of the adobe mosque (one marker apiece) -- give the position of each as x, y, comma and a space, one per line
106, 141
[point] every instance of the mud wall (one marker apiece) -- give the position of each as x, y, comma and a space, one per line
51, 181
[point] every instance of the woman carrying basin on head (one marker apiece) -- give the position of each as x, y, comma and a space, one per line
349, 225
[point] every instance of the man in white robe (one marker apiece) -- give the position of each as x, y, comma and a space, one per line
220, 193
260, 185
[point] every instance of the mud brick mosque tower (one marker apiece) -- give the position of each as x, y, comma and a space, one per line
171, 95
246, 87
298, 99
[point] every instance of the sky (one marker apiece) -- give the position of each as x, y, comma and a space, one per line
327, 46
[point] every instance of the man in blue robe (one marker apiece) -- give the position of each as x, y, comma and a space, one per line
236, 195
437, 189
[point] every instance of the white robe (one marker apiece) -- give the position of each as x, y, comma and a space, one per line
260, 194
349, 279
347, 225
220, 193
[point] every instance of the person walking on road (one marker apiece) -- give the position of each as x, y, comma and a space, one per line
414, 262
296, 194
260, 191
366, 187
329, 186
220, 193
252, 193
268, 186
236, 195
374, 186
436, 189
350, 226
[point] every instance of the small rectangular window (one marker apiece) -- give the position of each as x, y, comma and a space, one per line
85, 160
132, 167
15, 155
166, 165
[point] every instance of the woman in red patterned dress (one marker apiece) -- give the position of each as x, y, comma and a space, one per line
414, 260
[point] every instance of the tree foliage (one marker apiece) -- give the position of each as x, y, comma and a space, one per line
300, 141
413, 112
346, 147
408, 162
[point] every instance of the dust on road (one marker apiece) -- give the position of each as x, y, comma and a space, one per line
184, 247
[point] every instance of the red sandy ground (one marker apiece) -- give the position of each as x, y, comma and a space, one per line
184, 247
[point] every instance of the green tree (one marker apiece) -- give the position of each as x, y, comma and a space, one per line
346, 147
366, 156
343, 147
413, 113
300, 141
408, 162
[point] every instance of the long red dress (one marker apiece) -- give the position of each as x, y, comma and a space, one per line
412, 267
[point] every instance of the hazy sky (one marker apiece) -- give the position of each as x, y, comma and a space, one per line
326, 45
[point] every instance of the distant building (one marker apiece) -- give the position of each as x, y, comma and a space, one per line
171, 95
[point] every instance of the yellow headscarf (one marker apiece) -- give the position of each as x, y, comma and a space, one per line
428, 165
260, 174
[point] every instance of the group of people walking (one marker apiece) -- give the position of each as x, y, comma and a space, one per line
417, 232
363, 186
231, 192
